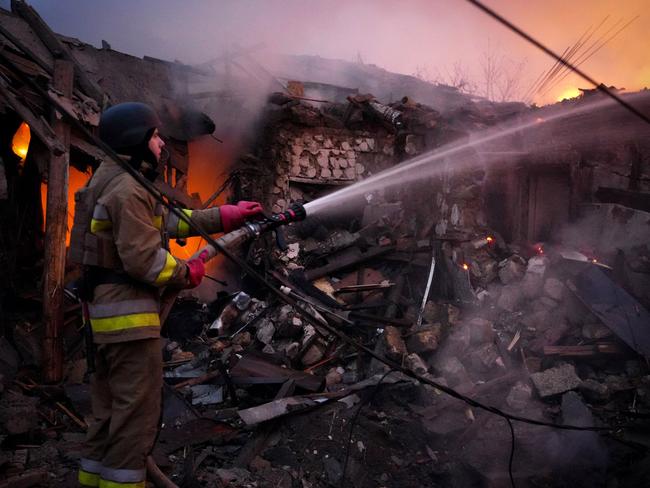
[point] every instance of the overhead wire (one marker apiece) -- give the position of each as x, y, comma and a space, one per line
599, 86
573, 52
567, 55
580, 62
589, 48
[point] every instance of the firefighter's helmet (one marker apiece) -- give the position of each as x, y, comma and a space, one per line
127, 127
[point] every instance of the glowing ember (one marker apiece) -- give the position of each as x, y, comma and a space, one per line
594, 260
20, 141
465, 266
489, 239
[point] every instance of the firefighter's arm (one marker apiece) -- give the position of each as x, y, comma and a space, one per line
209, 220
139, 242
212, 220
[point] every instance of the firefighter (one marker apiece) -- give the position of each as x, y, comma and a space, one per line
119, 236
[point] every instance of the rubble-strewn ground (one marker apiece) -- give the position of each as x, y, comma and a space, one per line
518, 339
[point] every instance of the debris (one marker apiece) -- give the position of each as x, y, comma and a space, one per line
424, 340
615, 307
554, 381
252, 367
593, 350
395, 347
481, 331
510, 297
512, 269
333, 470
206, 394
25, 480
283, 406
416, 364
453, 371
554, 288
519, 396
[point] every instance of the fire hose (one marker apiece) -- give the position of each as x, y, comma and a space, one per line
249, 231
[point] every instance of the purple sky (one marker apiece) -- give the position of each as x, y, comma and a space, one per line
428, 36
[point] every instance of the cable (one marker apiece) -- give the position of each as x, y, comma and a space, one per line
512, 452
567, 58
581, 61
307, 315
354, 421
599, 86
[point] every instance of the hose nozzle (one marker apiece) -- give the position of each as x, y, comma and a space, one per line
295, 213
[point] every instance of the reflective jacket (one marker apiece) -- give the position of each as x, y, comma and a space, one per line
127, 233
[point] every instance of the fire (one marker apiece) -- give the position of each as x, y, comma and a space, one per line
489, 239
21, 140
76, 179
209, 162
465, 266
568, 93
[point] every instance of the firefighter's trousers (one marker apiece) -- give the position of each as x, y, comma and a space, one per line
126, 396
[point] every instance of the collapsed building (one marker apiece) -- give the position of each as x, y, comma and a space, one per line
509, 263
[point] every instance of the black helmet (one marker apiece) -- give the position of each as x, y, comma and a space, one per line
127, 127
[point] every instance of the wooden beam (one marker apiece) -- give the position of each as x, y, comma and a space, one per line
585, 350
58, 49
39, 126
55, 235
25, 49
31, 56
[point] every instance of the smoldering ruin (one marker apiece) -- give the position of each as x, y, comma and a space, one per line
466, 268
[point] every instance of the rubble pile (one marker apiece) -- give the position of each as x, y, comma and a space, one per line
257, 395
517, 333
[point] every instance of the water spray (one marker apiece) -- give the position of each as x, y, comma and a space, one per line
434, 162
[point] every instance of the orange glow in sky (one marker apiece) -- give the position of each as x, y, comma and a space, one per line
571, 92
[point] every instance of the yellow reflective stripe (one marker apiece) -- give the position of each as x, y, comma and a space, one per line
99, 225
157, 221
88, 479
117, 484
168, 270
121, 322
183, 227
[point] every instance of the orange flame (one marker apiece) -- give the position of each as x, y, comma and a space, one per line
465, 266
490, 239
21, 140
76, 179
208, 165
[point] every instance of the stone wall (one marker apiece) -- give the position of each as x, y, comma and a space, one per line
319, 158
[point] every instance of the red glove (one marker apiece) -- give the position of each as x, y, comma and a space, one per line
234, 216
196, 269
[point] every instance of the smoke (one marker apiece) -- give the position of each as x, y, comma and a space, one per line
416, 34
